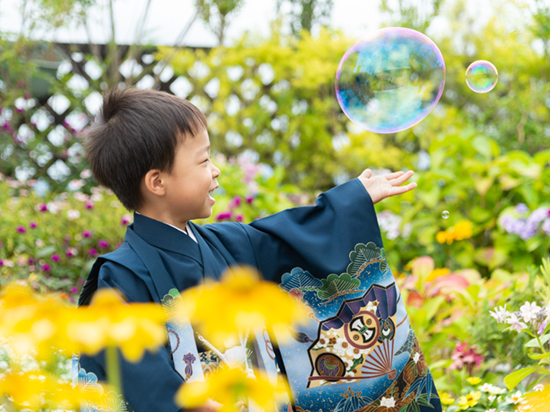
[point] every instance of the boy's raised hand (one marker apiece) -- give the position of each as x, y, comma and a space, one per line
383, 186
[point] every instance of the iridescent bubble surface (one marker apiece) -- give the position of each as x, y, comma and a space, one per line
390, 80
481, 76
445, 214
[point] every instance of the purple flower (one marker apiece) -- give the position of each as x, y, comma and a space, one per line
80, 281
522, 208
21, 229
235, 202
223, 216
86, 233
249, 199
46, 267
239, 218
103, 244
92, 251
43, 207
1, 262
56, 257
31, 261
19, 110
33, 225
125, 220
546, 227
89, 204
74, 289
26, 96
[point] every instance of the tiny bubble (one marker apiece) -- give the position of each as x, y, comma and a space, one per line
445, 214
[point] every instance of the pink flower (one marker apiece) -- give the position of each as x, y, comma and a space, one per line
86, 233
80, 281
235, 202
103, 244
42, 207
74, 289
70, 252
89, 204
465, 357
33, 225
1, 262
31, 261
125, 220
21, 229
46, 267
56, 257
224, 216
239, 218
249, 199
92, 251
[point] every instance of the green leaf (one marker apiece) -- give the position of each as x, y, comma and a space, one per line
513, 379
48, 250
539, 355
534, 343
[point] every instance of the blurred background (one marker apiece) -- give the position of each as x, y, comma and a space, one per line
474, 233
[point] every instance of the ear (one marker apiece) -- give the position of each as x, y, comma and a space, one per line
154, 182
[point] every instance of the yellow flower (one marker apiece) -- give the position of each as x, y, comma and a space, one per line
109, 321
444, 237
240, 302
446, 398
469, 401
229, 386
34, 390
536, 401
462, 230
474, 380
437, 273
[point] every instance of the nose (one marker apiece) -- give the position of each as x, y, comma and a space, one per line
215, 171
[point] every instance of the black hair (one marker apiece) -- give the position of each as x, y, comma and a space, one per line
137, 131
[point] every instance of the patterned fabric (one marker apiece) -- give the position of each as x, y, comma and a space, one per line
357, 352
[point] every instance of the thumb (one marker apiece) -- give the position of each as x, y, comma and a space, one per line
367, 173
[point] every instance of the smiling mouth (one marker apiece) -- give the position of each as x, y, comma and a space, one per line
211, 191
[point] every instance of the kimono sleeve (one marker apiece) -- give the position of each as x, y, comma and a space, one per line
151, 384
318, 237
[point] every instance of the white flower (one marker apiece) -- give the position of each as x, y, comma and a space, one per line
538, 388
500, 314
53, 207
341, 346
491, 410
486, 387
73, 214
495, 390
40, 243
371, 307
96, 197
515, 324
76, 184
516, 398
416, 357
491, 398
354, 352
387, 402
529, 311
85, 174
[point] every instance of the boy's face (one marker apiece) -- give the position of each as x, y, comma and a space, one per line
192, 180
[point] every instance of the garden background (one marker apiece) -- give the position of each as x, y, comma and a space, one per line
280, 138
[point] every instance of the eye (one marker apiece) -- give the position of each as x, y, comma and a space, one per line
207, 160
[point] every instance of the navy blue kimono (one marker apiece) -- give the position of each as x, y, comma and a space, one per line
358, 348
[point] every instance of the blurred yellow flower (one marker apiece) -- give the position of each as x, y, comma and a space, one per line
38, 390
536, 401
240, 302
462, 230
446, 398
468, 401
33, 324
229, 386
437, 273
474, 380
110, 321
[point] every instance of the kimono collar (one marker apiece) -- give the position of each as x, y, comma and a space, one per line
166, 237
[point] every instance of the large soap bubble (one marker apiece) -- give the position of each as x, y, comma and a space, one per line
481, 76
390, 80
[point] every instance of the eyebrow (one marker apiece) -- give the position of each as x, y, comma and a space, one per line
203, 149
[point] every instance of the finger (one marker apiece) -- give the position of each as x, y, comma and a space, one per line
402, 179
402, 189
393, 175
367, 173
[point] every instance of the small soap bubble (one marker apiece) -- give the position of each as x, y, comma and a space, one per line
390, 80
481, 76
445, 214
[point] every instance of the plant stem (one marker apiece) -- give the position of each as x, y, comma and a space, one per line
113, 368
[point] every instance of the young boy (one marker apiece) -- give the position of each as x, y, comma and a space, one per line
153, 151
